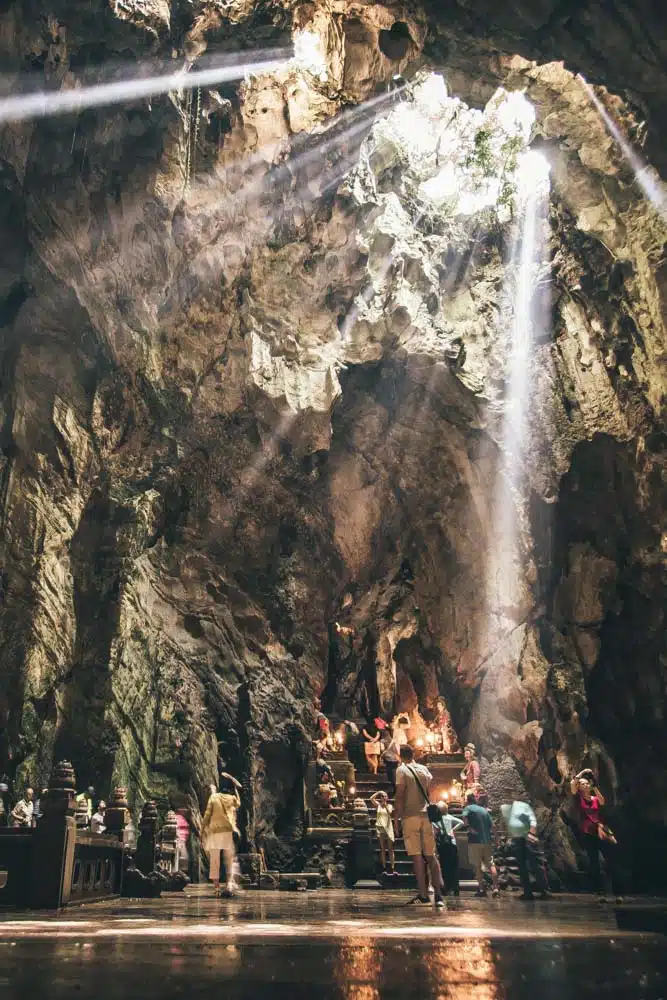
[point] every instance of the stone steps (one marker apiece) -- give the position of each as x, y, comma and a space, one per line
365, 786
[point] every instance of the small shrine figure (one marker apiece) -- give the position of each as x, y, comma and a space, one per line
326, 792
471, 772
442, 724
323, 741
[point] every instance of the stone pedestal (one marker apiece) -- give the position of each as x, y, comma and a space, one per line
147, 844
117, 814
360, 863
54, 841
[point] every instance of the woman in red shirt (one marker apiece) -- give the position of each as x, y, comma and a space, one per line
594, 835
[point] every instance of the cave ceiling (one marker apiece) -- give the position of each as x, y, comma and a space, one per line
251, 387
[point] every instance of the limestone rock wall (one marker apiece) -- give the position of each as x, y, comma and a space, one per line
249, 391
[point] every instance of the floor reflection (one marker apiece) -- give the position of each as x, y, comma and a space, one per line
463, 970
358, 971
330, 946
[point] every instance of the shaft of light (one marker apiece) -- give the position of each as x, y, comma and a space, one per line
363, 117
516, 400
644, 174
305, 147
505, 573
44, 103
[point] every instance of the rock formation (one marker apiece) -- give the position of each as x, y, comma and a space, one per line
251, 386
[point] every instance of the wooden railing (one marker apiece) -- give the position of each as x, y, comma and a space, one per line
54, 864
16, 847
98, 868
96, 873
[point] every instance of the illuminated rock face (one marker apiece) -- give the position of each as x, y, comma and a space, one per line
243, 399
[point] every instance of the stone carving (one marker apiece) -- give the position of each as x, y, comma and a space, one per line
61, 790
147, 841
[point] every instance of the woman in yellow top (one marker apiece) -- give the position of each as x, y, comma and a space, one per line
218, 829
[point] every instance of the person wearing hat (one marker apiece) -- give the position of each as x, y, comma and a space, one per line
218, 828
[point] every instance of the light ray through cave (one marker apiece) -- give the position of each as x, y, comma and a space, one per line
352, 124
257, 178
249, 476
506, 571
307, 146
645, 175
46, 103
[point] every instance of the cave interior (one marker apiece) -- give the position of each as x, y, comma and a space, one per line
373, 341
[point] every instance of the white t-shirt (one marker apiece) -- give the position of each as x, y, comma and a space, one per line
22, 813
97, 824
383, 821
414, 802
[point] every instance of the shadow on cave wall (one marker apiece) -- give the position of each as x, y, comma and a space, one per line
85, 736
626, 685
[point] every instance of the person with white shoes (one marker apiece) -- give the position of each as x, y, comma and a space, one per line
413, 783
217, 831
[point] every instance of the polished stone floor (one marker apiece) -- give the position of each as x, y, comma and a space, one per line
335, 945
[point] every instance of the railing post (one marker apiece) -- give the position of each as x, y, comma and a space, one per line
54, 840
168, 837
147, 844
117, 813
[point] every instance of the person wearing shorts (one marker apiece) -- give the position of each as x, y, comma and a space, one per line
218, 829
480, 849
413, 782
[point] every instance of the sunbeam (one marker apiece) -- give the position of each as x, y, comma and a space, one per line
46, 103
645, 175
505, 577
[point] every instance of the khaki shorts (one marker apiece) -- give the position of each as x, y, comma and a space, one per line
480, 854
418, 835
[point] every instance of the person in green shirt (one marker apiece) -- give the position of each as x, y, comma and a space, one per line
480, 849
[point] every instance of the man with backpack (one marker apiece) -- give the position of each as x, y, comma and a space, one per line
448, 852
412, 805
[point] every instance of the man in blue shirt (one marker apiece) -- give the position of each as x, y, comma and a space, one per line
480, 849
521, 824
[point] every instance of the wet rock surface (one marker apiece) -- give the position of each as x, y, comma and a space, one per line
247, 393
